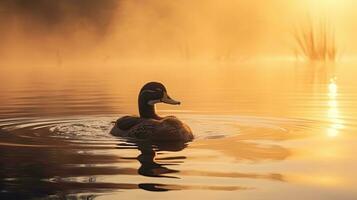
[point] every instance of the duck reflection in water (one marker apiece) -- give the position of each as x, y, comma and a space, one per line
149, 162
150, 166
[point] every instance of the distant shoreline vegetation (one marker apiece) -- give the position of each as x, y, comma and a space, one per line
315, 41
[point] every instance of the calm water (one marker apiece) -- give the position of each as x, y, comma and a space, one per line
263, 131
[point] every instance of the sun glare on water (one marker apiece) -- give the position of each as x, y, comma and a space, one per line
333, 112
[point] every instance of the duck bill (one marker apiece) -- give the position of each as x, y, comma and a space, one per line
169, 100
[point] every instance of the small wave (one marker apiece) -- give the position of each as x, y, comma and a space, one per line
203, 126
87, 128
213, 126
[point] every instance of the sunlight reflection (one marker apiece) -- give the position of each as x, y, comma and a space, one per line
333, 112
332, 88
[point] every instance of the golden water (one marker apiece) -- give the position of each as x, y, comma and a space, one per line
263, 131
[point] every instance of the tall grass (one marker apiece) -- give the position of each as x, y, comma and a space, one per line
316, 41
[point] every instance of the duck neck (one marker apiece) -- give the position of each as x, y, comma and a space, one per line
147, 111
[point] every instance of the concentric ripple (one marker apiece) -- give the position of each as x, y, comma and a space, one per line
96, 128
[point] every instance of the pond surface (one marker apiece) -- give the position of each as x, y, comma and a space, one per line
262, 131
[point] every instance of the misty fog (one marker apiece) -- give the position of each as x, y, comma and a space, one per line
115, 31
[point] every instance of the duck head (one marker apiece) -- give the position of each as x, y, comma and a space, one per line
151, 94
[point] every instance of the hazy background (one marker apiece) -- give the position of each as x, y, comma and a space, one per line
121, 31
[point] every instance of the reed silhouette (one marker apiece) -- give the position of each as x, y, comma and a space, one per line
316, 41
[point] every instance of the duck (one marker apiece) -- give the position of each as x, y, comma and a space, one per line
149, 125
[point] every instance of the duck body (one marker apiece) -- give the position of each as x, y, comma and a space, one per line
149, 125
165, 129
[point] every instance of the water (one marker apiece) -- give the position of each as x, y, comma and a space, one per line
262, 131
